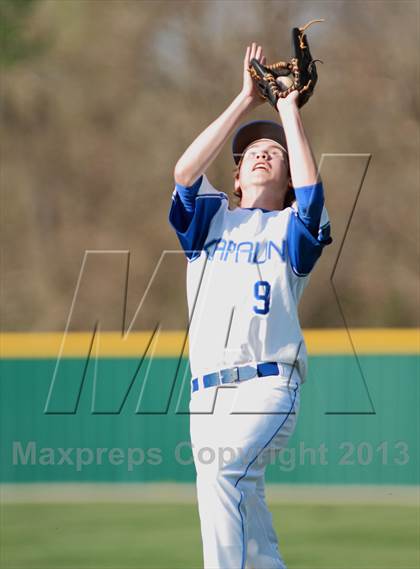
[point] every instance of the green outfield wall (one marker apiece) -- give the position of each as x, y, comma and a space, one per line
120, 418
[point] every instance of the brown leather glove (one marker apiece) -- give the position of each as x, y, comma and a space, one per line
279, 79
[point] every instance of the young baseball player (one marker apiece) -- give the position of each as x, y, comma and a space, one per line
247, 268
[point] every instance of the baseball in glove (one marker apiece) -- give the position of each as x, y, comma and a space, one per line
299, 74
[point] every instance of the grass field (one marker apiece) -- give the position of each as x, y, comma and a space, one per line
152, 536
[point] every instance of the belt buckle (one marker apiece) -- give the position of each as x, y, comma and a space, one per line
229, 375
247, 372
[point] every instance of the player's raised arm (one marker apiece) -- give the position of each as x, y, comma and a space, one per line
307, 235
205, 148
303, 167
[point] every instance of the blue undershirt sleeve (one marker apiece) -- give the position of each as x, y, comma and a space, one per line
191, 214
307, 233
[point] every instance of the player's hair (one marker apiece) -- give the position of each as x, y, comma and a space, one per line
289, 199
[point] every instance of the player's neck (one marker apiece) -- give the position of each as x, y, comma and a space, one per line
268, 196
269, 202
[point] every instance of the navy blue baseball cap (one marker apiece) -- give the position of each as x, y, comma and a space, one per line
255, 130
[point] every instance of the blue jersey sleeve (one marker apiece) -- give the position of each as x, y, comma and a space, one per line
308, 231
191, 213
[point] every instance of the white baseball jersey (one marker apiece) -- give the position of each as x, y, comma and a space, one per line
247, 269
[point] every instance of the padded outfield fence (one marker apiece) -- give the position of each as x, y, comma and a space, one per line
102, 413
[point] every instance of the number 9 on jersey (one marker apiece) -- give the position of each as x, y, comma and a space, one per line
262, 290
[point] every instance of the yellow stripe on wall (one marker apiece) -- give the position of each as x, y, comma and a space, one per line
363, 341
169, 344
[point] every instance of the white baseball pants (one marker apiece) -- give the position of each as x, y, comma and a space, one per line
235, 431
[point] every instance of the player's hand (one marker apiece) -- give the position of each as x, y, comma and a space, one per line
291, 101
249, 89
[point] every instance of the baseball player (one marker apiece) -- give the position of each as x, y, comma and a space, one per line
247, 268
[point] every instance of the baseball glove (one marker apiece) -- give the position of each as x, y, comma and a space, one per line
299, 74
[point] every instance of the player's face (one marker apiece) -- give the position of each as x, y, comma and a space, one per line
264, 168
